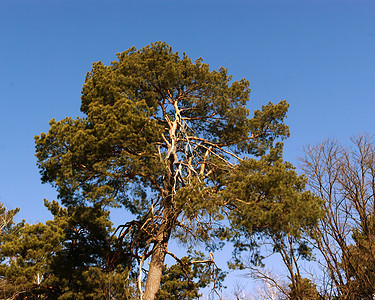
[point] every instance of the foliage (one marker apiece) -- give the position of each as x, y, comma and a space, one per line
161, 137
67, 259
25, 252
62, 259
269, 197
184, 279
273, 214
361, 268
303, 289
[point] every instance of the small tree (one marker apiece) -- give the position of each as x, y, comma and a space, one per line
24, 252
64, 258
160, 136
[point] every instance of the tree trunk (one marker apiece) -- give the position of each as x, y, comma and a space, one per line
160, 249
155, 271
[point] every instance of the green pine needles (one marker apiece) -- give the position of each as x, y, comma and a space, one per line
173, 142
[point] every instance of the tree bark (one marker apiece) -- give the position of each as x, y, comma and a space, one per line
156, 268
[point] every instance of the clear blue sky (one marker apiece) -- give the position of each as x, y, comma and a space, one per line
318, 55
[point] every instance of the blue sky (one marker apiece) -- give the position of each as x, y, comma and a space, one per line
318, 55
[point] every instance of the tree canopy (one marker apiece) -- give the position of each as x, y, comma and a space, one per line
174, 143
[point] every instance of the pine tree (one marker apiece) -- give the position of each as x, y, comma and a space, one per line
65, 258
160, 136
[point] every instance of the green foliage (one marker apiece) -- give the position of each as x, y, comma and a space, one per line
173, 143
303, 289
66, 259
184, 279
78, 268
360, 263
112, 155
270, 204
62, 259
271, 196
25, 252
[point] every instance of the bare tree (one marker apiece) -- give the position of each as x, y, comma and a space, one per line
344, 178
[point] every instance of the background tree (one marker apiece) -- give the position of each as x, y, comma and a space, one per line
25, 251
345, 179
62, 259
159, 136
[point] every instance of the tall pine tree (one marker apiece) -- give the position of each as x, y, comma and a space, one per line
161, 137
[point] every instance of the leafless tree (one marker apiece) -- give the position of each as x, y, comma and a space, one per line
344, 178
